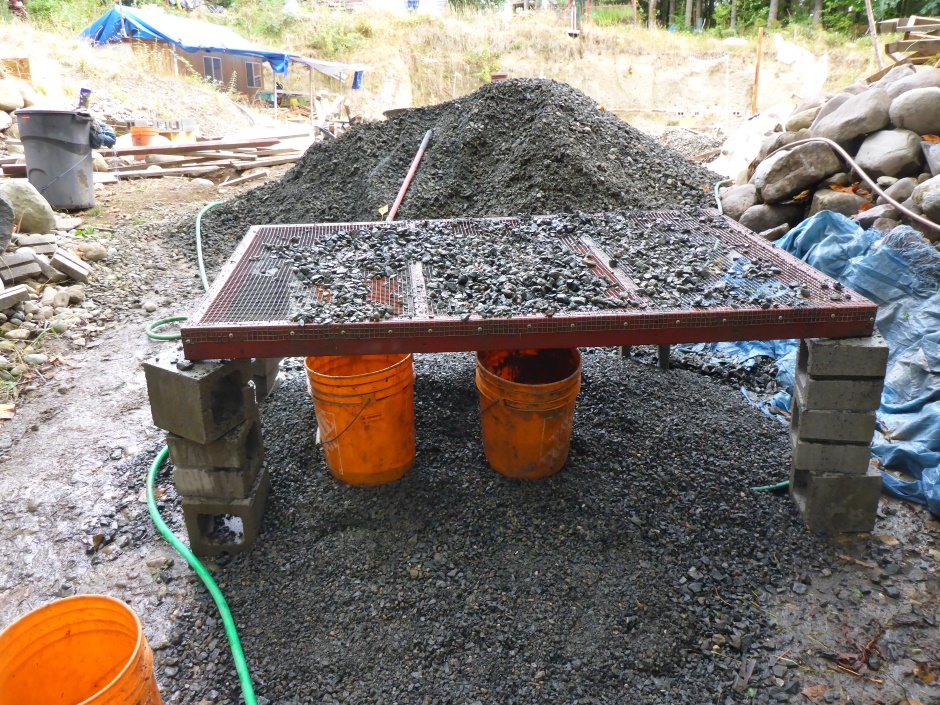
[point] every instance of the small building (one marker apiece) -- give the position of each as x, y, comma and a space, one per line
215, 52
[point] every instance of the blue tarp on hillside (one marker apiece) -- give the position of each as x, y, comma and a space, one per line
122, 22
900, 272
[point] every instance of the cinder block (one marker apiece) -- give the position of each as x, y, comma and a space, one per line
844, 357
203, 515
832, 426
12, 296
845, 458
200, 401
69, 264
238, 448
839, 394
833, 504
266, 376
40, 244
217, 483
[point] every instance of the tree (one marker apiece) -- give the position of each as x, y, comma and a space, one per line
688, 13
817, 14
652, 23
734, 13
772, 15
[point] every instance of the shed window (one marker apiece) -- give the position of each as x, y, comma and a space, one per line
212, 68
253, 74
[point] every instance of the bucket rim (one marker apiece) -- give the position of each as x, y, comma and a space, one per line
43, 111
519, 385
405, 358
138, 645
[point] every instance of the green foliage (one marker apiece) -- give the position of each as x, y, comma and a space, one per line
483, 63
71, 15
475, 5
610, 16
837, 17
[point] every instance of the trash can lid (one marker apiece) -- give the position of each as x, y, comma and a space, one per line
77, 114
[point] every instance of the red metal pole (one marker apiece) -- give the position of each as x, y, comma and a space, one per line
411, 173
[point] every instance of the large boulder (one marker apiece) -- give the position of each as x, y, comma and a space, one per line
917, 110
856, 88
7, 221
830, 107
926, 77
6, 120
10, 96
900, 190
31, 211
815, 100
802, 120
738, 199
931, 152
927, 197
767, 217
866, 219
791, 171
860, 114
897, 73
891, 153
836, 201
774, 142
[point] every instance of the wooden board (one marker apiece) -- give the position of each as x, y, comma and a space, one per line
921, 46
185, 147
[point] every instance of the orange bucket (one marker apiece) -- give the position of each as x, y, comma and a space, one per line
365, 409
527, 400
141, 136
83, 650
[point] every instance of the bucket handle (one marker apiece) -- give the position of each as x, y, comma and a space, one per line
335, 438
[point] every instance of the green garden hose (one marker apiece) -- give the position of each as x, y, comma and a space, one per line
231, 632
772, 488
248, 691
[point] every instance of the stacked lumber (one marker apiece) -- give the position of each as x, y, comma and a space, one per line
921, 41
212, 159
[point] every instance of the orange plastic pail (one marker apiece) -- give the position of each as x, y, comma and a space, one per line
83, 650
141, 136
527, 400
365, 408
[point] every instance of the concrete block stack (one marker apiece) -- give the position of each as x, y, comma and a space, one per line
266, 376
214, 435
838, 389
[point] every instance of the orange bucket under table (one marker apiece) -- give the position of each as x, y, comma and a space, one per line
365, 408
527, 400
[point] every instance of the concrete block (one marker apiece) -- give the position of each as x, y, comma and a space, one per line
834, 504
217, 483
69, 264
266, 376
845, 458
200, 401
12, 296
832, 426
839, 394
238, 448
16, 266
40, 244
209, 521
843, 357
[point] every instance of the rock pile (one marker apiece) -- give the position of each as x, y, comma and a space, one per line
890, 128
39, 294
13, 96
523, 146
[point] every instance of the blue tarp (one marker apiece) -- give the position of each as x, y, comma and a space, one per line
900, 272
122, 22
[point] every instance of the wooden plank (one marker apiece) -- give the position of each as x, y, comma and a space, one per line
185, 171
273, 161
932, 46
15, 170
243, 179
184, 147
104, 177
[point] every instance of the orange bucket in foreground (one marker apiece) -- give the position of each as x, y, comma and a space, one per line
83, 650
141, 136
365, 408
527, 400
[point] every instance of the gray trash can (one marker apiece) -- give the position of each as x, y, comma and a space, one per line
58, 156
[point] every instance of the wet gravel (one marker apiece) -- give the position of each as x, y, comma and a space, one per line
638, 573
523, 146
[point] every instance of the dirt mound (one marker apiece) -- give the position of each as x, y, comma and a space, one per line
523, 146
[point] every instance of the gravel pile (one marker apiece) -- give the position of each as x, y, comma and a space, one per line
690, 143
639, 573
523, 146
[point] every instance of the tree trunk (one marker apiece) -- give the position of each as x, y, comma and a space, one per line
734, 14
772, 15
817, 14
874, 34
688, 13
698, 13
672, 13
652, 22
